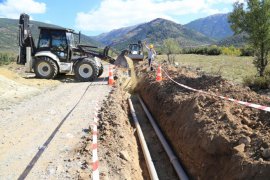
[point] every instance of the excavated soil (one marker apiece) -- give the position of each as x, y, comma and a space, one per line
16, 86
214, 139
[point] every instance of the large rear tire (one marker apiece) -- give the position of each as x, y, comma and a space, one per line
45, 68
101, 69
86, 70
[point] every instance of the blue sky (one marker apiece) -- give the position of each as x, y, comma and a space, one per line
93, 17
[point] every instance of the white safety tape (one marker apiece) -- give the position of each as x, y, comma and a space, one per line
248, 104
95, 162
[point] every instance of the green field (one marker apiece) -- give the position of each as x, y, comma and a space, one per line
229, 67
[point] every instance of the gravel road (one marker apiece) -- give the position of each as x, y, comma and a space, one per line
26, 127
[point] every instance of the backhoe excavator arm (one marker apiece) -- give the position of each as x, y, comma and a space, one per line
25, 39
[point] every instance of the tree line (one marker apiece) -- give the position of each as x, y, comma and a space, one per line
171, 46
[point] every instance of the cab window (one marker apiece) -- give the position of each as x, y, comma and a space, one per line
59, 40
44, 40
135, 48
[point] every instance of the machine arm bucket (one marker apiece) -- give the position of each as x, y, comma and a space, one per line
121, 60
89, 51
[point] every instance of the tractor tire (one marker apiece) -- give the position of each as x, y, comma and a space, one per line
45, 68
100, 71
86, 70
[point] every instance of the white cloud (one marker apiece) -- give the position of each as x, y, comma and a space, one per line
224, 2
13, 8
114, 14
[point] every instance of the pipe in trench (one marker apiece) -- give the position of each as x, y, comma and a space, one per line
149, 162
177, 166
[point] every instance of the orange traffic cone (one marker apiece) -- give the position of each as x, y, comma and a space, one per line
159, 75
111, 80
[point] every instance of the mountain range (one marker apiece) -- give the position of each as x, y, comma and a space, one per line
155, 31
215, 26
213, 29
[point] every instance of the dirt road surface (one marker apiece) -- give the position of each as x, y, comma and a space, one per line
26, 126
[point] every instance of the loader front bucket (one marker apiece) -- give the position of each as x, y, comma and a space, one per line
121, 60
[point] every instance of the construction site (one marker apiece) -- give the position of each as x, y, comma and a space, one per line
71, 111
208, 136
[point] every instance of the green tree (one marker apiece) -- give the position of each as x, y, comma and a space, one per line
254, 20
170, 47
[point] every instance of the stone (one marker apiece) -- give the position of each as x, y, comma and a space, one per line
245, 140
246, 121
60, 168
124, 155
240, 148
265, 145
266, 153
239, 111
246, 127
51, 171
246, 132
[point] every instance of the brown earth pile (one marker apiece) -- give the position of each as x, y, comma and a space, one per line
215, 139
15, 86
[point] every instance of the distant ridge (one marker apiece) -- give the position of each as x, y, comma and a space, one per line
155, 31
214, 26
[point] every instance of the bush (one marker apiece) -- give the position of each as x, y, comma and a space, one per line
267, 71
212, 50
231, 51
257, 82
215, 51
6, 58
247, 51
170, 47
262, 82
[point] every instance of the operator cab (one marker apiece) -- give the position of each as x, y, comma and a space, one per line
135, 51
59, 41
135, 48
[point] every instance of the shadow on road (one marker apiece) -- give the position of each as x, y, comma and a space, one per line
70, 79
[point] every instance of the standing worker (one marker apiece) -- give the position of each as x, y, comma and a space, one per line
151, 55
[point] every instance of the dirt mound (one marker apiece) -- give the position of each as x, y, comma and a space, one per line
215, 139
15, 86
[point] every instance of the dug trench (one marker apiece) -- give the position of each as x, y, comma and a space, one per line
119, 150
120, 156
213, 138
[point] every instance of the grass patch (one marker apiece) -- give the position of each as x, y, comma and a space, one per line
257, 83
230, 67
6, 58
